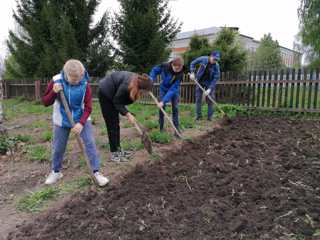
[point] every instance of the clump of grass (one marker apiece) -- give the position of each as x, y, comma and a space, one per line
187, 122
37, 153
151, 124
160, 137
131, 145
33, 202
46, 136
39, 124
25, 138
231, 110
75, 185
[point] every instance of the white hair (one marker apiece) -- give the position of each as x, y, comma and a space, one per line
73, 68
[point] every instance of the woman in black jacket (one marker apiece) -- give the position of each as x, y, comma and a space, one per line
117, 90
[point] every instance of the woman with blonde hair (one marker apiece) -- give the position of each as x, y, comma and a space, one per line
74, 82
117, 90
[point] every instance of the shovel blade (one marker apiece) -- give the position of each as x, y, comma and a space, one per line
145, 139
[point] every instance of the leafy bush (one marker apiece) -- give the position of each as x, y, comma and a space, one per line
7, 143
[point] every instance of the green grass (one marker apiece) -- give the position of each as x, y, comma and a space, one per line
187, 122
75, 185
40, 124
160, 137
25, 138
131, 144
151, 124
33, 202
36, 201
37, 153
17, 107
46, 136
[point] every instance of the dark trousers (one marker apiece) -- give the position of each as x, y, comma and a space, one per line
199, 94
111, 118
175, 111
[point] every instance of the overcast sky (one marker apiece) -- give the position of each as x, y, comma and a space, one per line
253, 17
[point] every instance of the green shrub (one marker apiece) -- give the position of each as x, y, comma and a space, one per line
160, 137
7, 143
231, 110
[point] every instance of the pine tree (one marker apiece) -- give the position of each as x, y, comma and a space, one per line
50, 32
144, 30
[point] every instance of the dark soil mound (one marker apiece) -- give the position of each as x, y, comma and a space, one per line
255, 179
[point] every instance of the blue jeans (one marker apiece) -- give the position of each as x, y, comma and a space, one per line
59, 143
175, 111
199, 94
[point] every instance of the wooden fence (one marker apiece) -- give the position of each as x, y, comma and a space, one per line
287, 90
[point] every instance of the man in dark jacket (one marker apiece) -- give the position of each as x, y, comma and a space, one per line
171, 76
208, 75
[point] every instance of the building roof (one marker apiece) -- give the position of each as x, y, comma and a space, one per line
200, 32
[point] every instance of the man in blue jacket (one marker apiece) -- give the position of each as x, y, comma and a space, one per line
208, 74
171, 76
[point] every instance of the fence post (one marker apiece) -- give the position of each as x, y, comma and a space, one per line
6, 89
37, 90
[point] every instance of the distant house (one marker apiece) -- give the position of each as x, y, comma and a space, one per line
290, 58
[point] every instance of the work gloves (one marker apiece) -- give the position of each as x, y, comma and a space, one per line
207, 92
192, 76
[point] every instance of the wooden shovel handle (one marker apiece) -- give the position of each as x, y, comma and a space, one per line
210, 98
165, 114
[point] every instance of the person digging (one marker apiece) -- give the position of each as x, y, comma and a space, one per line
171, 77
207, 75
73, 81
117, 90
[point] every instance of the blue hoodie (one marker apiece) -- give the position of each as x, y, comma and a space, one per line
75, 95
214, 74
170, 81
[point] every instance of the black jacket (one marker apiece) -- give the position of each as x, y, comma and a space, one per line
115, 87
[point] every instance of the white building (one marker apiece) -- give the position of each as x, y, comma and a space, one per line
290, 57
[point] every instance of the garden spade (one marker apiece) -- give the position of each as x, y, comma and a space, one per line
145, 139
225, 118
66, 107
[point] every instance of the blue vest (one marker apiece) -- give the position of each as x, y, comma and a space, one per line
75, 95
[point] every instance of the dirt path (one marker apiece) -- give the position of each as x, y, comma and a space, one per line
257, 179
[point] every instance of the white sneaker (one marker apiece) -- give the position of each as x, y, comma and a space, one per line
101, 180
53, 178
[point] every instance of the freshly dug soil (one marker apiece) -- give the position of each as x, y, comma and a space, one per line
257, 179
